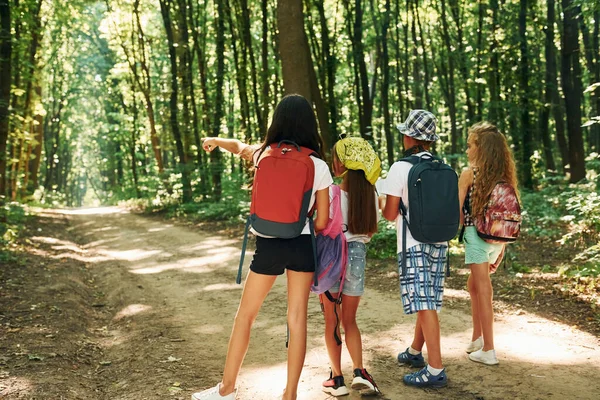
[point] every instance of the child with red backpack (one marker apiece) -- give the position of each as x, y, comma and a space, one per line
490, 214
281, 246
355, 160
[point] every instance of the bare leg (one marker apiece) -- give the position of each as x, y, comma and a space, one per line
256, 288
418, 338
351, 331
334, 351
298, 284
430, 326
482, 286
474, 309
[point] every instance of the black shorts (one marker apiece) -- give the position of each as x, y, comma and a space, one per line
274, 255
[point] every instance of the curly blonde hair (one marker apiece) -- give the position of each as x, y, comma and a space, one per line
494, 162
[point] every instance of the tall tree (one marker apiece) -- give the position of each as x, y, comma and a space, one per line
293, 48
526, 151
572, 89
165, 9
549, 86
5, 82
296, 63
216, 158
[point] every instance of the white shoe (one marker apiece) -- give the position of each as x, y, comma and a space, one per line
484, 357
475, 345
213, 394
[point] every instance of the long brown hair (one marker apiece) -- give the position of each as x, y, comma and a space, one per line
494, 162
362, 210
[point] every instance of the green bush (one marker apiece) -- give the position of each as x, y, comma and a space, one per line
12, 217
383, 243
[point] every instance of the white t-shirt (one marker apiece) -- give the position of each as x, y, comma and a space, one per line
350, 237
396, 184
322, 180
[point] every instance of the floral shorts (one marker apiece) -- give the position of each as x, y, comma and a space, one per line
354, 285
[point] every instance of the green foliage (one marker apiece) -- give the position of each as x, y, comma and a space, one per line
234, 205
383, 243
12, 217
578, 271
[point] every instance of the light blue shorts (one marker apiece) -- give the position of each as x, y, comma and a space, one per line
477, 250
354, 285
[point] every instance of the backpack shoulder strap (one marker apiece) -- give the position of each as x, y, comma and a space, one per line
411, 159
414, 159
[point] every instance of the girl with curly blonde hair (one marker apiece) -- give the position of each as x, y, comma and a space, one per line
490, 161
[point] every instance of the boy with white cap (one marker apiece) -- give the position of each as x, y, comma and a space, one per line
422, 283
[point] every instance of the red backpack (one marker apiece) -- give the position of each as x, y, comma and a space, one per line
501, 221
281, 193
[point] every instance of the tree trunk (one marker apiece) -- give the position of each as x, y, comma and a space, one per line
572, 89
526, 150
480, 86
418, 82
264, 73
494, 67
550, 81
247, 38
241, 75
330, 67
38, 133
296, 62
449, 73
293, 48
216, 157
145, 86
425, 62
385, 86
165, 6
5, 82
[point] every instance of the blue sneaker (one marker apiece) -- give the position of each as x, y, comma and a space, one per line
408, 359
424, 379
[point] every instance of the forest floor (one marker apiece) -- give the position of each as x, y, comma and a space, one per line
105, 304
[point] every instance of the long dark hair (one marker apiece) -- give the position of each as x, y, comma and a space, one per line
362, 210
294, 119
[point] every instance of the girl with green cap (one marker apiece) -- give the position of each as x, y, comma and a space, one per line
355, 160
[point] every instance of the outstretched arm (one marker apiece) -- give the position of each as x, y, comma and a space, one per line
234, 146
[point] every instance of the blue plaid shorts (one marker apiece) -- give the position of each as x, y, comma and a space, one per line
422, 288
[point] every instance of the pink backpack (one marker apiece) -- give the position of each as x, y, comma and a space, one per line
501, 222
332, 255
332, 249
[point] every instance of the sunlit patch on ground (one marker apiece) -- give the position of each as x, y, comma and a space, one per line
196, 264
221, 286
210, 329
14, 386
131, 310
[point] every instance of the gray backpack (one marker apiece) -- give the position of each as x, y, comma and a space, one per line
434, 212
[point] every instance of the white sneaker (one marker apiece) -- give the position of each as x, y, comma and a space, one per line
484, 357
475, 345
213, 394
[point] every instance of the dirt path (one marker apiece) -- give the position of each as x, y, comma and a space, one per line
166, 298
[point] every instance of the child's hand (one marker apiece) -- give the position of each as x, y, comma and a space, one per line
209, 144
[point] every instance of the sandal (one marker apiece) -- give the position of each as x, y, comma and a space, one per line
424, 378
406, 358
